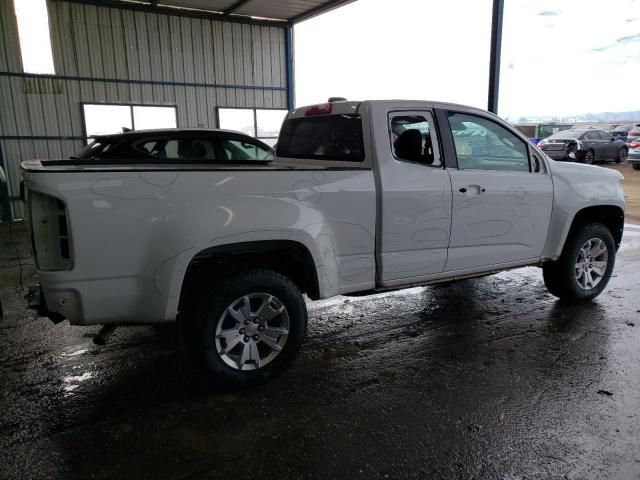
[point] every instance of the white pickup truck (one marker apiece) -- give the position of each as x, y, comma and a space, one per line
361, 197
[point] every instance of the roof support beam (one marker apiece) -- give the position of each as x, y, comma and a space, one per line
235, 6
291, 99
322, 8
494, 59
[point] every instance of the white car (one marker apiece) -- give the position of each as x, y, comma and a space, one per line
361, 197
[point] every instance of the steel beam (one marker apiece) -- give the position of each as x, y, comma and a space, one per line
494, 58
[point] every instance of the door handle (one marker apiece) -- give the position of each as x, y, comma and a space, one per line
472, 189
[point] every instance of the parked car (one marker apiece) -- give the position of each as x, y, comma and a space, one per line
192, 146
633, 144
361, 197
584, 145
621, 132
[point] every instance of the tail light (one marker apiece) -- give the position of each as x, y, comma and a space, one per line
321, 109
50, 233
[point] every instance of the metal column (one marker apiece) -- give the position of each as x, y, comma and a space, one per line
494, 61
289, 63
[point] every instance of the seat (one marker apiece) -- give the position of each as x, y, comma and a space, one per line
408, 145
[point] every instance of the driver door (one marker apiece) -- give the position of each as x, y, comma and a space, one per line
502, 196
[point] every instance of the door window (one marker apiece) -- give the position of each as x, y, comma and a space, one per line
482, 144
413, 138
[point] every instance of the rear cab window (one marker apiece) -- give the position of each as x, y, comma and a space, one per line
333, 137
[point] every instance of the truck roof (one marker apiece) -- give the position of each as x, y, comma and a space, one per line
352, 106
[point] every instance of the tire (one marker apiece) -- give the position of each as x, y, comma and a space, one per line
262, 347
635, 165
589, 157
565, 281
622, 155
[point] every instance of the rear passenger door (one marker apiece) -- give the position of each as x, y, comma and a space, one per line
414, 214
502, 194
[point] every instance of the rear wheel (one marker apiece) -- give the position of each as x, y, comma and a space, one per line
635, 165
248, 329
622, 155
584, 268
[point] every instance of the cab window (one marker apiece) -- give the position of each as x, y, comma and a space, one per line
482, 144
413, 138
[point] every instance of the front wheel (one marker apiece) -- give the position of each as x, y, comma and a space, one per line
247, 329
622, 155
635, 165
584, 268
589, 157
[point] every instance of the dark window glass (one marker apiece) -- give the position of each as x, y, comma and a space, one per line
184, 149
327, 137
484, 145
413, 138
564, 134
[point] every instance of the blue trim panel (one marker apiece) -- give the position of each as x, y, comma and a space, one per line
139, 82
38, 137
291, 93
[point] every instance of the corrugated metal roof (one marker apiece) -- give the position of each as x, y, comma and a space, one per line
284, 10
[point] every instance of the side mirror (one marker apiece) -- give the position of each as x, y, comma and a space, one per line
613, 139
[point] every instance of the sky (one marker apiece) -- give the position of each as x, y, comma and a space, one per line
559, 57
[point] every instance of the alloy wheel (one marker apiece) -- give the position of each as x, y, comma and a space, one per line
591, 263
589, 158
252, 331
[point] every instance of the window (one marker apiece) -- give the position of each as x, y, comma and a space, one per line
191, 149
412, 138
263, 124
592, 136
484, 145
239, 150
104, 119
326, 137
34, 35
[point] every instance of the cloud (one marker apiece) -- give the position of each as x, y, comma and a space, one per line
629, 39
629, 20
619, 41
550, 13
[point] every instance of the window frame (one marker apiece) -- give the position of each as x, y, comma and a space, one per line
123, 104
437, 151
447, 115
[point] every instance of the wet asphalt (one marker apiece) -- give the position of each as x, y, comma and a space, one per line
490, 378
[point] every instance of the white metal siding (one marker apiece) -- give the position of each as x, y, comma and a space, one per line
117, 55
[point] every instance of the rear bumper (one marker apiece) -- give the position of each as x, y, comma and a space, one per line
36, 301
557, 154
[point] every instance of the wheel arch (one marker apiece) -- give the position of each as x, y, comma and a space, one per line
612, 216
288, 257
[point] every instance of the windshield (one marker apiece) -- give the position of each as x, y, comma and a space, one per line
566, 134
326, 137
